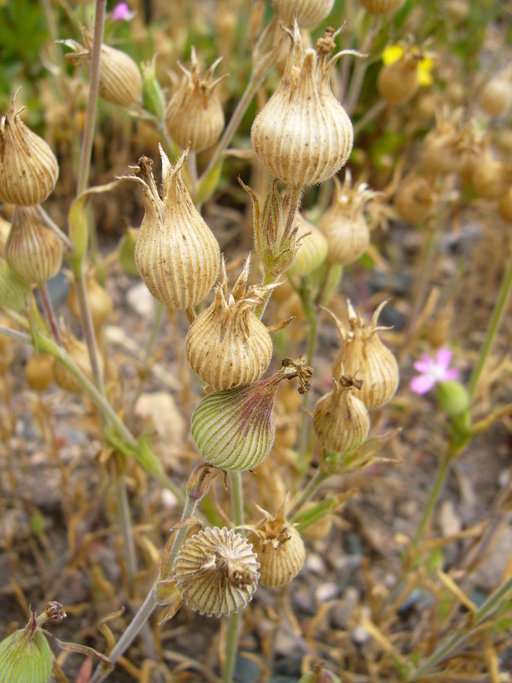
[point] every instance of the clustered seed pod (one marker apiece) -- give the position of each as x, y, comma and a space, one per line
279, 548
25, 656
379, 7
398, 82
235, 429
28, 167
303, 135
176, 252
33, 251
340, 419
194, 115
365, 357
309, 13
312, 248
216, 572
227, 345
344, 224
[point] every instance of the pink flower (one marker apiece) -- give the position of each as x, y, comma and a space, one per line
432, 371
122, 12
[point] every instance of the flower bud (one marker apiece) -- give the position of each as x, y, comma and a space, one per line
176, 252
312, 248
303, 135
194, 116
496, 96
344, 224
414, 199
398, 82
309, 13
28, 167
364, 356
279, 548
234, 430
453, 397
39, 371
216, 572
227, 345
153, 99
26, 656
33, 251
340, 419
379, 7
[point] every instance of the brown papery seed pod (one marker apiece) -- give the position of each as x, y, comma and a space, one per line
194, 115
340, 419
379, 7
303, 135
279, 548
32, 250
344, 224
227, 345
398, 82
39, 371
312, 248
176, 252
414, 199
364, 356
216, 572
309, 13
28, 167
491, 179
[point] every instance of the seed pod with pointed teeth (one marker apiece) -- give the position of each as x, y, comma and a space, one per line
312, 248
194, 115
309, 13
279, 548
379, 7
28, 167
303, 135
216, 572
227, 345
32, 250
364, 356
176, 252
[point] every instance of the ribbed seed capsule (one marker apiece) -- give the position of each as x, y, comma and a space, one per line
344, 224
227, 345
194, 115
312, 248
364, 356
176, 252
235, 429
279, 548
303, 135
379, 7
28, 167
340, 419
216, 572
309, 13
32, 250
25, 656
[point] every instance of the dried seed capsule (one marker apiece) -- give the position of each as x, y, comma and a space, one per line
303, 135
235, 429
364, 356
496, 97
379, 7
176, 252
491, 179
340, 419
28, 167
344, 224
279, 548
227, 345
414, 199
194, 116
33, 251
309, 13
216, 572
398, 82
39, 371
25, 656
312, 248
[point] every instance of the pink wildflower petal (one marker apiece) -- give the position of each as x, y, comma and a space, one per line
122, 12
451, 373
444, 358
422, 384
424, 365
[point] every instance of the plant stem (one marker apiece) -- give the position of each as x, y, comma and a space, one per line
125, 523
499, 311
14, 334
50, 314
369, 115
53, 226
314, 484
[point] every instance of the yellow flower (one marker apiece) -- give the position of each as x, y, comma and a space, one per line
393, 53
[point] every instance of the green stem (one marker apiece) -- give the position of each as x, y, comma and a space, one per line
309, 491
499, 311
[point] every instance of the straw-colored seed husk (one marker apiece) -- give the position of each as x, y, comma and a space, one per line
340, 419
281, 554
309, 13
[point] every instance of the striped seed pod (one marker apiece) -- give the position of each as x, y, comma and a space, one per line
176, 252
216, 572
28, 167
379, 7
340, 419
364, 356
303, 135
312, 248
194, 115
279, 548
309, 13
25, 656
227, 345
33, 251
